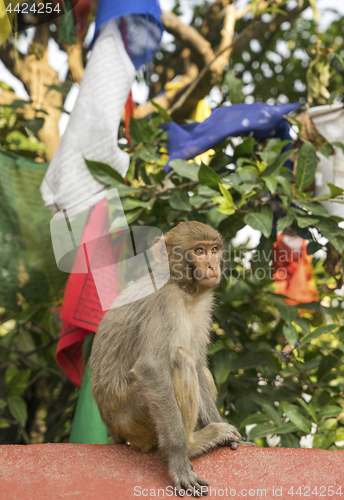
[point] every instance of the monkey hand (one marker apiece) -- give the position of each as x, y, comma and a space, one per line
230, 436
186, 481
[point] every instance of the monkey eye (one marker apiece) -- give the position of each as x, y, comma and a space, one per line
214, 250
198, 251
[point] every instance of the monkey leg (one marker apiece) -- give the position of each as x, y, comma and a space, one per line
211, 383
127, 420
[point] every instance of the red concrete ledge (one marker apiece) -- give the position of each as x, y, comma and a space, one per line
105, 472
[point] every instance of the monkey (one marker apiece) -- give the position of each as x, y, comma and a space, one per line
148, 363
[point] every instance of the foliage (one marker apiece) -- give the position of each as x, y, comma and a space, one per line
18, 134
276, 366
276, 68
37, 401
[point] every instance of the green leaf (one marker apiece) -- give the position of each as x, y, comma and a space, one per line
271, 183
209, 177
284, 222
296, 417
286, 428
273, 414
259, 221
326, 149
272, 150
103, 172
317, 332
247, 175
315, 207
287, 312
246, 148
306, 221
35, 125
245, 196
3, 405
63, 88
310, 409
279, 162
338, 145
130, 203
266, 210
162, 111
285, 185
306, 166
128, 219
235, 86
17, 384
256, 418
261, 430
207, 192
3, 423
222, 366
149, 155
214, 217
315, 306
328, 424
330, 411
313, 247
186, 169
226, 209
180, 201
248, 361
17, 407
141, 132
290, 334
324, 440
227, 195
335, 190
197, 201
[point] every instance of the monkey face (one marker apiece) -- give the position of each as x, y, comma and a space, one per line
195, 255
203, 262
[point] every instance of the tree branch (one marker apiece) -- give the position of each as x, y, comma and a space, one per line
200, 87
75, 61
212, 18
227, 35
170, 96
189, 37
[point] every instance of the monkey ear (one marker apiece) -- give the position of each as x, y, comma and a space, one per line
160, 249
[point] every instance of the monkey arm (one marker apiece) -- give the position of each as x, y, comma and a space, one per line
157, 390
208, 411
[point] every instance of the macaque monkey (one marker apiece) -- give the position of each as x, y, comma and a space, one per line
149, 370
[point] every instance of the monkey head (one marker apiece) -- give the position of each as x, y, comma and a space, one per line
195, 255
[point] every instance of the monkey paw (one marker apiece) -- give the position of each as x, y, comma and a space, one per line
230, 436
188, 483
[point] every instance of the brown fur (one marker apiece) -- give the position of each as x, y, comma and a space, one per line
148, 361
